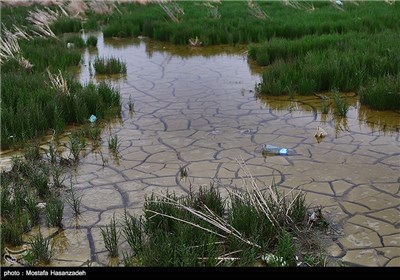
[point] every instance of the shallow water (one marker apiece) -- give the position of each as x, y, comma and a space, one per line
196, 108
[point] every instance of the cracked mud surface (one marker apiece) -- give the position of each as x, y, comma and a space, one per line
199, 112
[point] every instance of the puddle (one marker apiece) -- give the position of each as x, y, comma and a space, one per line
195, 108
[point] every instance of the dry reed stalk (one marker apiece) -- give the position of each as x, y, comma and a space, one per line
258, 198
172, 12
9, 47
256, 10
58, 82
42, 19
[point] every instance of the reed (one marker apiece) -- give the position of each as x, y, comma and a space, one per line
382, 93
91, 41
41, 249
109, 65
246, 21
110, 237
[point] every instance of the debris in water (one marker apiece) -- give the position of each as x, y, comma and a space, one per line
92, 118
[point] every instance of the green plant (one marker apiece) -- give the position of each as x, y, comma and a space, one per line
74, 199
132, 232
314, 260
11, 232
341, 106
127, 260
325, 107
41, 249
183, 172
381, 93
76, 144
39, 180
52, 152
54, 211
32, 152
114, 144
76, 41
32, 209
285, 250
109, 65
91, 41
57, 175
110, 237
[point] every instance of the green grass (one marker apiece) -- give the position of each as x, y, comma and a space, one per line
66, 25
110, 237
77, 143
109, 65
30, 105
205, 229
341, 106
91, 41
38, 107
41, 249
76, 40
232, 22
74, 199
382, 93
54, 211
348, 63
113, 144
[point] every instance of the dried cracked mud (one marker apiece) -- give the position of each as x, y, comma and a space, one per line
196, 109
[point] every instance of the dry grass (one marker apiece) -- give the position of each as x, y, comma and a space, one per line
58, 82
9, 47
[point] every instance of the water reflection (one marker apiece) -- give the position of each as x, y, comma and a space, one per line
323, 109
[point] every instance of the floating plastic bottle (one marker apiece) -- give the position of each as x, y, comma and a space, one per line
274, 150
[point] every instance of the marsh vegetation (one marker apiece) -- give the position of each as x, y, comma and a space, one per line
306, 48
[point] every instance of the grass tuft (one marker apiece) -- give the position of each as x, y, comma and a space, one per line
109, 66
110, 237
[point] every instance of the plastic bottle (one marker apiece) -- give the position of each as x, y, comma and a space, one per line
274, 150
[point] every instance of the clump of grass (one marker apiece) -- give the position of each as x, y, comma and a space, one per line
76, 144
109, 65
204, 229
325, 107
286, 250
31, 104
76, 41
114, 144
110, 237
382, 93
66, 25
57, 174
91, 41
93, 132
183, 172
132, 232
54, 211
32, 209
74, 199
52, 153
41, 249
11, 232
39, 180
341, 106
32, 152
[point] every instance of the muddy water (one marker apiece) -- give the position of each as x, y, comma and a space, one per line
195, 108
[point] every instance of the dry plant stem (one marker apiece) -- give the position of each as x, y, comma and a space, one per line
58, 82
181, 220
